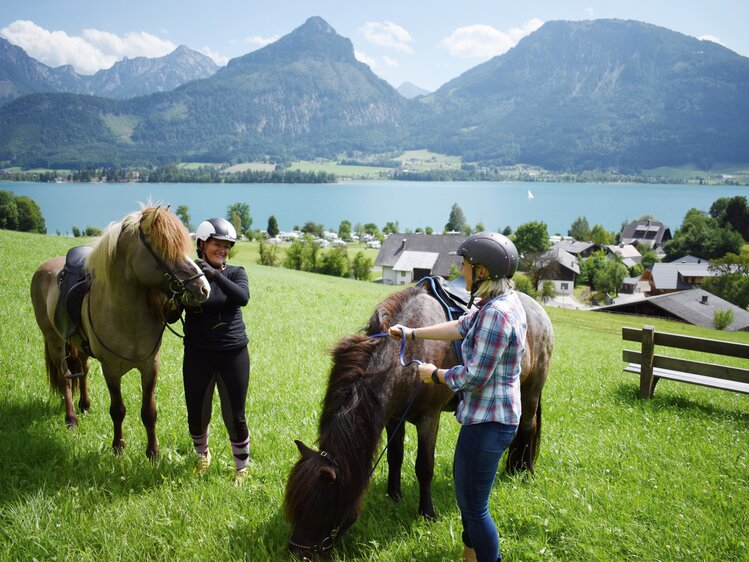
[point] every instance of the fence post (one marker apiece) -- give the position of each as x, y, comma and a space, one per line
647, 384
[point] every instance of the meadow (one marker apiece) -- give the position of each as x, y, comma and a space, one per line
617, 477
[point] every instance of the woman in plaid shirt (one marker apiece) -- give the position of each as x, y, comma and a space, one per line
489, 379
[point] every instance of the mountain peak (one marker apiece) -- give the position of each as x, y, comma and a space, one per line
315, 24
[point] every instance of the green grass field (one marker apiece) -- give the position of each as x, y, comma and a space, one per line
617, 478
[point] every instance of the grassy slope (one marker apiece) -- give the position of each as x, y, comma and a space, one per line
617, 477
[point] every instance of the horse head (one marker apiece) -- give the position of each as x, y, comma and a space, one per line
159, 245
318, 503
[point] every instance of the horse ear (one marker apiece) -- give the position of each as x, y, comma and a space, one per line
303, 449
329, 472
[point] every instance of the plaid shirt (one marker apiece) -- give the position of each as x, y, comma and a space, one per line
493, 346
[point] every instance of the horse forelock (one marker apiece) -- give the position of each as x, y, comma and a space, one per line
165, 232
99, 261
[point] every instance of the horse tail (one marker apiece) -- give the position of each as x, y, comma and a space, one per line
536, 444
55, 374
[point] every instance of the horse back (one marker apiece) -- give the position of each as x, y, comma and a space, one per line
539, 343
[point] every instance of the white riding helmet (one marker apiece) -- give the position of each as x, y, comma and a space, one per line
220, 229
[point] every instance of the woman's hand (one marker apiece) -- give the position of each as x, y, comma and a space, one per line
425, 372
397, 331
208, 270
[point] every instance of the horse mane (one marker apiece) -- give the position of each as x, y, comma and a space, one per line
352, 400
163, 229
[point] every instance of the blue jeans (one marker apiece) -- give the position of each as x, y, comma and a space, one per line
477, 454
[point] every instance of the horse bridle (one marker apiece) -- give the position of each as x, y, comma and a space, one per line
327, 543
177, 286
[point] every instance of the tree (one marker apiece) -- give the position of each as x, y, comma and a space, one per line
390, 228
731, 281
302, 254
457, 220
8, 210
507, 231
480, 227
272, 229
30, 217
524, 284
268, 253
609, 277
701, 235
183, 212
579, 230
532, 238
600, 236
362, 267
344, 230
236, 222
732, 212
311, 227
242, 210
335, 262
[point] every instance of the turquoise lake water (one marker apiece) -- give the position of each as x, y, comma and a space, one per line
411, 204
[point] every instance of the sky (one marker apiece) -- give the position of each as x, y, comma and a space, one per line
426, 43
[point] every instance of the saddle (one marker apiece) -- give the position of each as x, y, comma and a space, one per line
74, 283
451, 294
453, 297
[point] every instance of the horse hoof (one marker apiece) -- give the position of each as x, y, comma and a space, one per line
152, 454
118, 448
430, 516
395, 496
71, 422
84, 406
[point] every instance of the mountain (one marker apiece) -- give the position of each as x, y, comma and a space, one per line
21, 74
595, 95
410, 91
303, 95
129, 78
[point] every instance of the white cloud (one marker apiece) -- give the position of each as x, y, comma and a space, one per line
390, 62
87, 54
258, 41
388, 34
484, 41
366, 59
217, 57
589, 13
710, 38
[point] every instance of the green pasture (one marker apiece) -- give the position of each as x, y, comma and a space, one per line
340, 170
617, 477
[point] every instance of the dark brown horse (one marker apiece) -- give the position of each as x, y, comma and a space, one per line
368, 391
139, 266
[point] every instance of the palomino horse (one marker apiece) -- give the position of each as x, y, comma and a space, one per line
139, 266
369, 390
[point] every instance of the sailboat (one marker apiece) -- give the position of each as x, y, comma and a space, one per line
530, 195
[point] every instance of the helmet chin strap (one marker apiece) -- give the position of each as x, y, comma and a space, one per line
475, 284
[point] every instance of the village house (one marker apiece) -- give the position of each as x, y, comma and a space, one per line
405, 258
560, 267
627, 252
682, 274
652, 234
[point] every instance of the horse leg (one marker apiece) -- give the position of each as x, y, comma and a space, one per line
395, 459
116, 410
427, 429
148, 409
54, 352
84, 403
522, 451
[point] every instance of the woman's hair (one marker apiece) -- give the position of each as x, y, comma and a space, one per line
490, 288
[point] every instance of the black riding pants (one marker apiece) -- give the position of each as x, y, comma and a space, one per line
202, 372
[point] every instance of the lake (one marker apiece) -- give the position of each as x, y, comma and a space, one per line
411, 204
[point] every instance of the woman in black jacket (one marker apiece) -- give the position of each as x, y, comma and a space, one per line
216, 352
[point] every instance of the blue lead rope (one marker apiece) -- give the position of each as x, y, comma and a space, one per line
402, 359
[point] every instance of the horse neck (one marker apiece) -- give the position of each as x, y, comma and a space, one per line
352, 437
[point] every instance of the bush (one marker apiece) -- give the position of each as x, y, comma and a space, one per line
362, 267
268, 253
723, 318
524, 284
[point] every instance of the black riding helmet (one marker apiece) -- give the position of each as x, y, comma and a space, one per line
494, 251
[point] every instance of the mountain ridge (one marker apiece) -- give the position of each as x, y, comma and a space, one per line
600, 94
